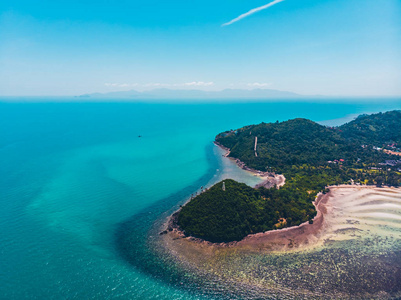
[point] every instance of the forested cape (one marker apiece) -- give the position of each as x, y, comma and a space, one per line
227, 215
311, 157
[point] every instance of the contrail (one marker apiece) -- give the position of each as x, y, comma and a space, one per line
252, 11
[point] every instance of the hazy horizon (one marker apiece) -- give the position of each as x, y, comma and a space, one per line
330, 48
207, 95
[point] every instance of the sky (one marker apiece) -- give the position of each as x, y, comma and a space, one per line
310, 47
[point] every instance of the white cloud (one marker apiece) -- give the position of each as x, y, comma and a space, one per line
259, 85
157, 84
121, 85
199, 83
252, 11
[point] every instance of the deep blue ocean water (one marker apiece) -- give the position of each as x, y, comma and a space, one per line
73, 176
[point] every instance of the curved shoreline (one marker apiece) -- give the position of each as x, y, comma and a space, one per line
305, 235
269, 179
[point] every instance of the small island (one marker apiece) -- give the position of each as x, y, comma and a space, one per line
230, 210
312, 158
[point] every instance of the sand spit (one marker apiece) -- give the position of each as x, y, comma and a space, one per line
366, 210
269, 179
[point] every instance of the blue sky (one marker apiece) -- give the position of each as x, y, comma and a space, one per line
327, 47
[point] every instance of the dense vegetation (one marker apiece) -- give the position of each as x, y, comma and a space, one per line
219, 215
379, 129
300, 141
311, 157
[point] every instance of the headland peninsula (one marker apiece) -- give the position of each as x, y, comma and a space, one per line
331, 196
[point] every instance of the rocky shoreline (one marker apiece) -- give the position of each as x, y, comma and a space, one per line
285, 238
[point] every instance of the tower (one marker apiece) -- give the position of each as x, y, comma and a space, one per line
224, 186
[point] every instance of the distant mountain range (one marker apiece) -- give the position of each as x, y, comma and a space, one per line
195, 94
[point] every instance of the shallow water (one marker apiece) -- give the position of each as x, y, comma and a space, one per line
81, 192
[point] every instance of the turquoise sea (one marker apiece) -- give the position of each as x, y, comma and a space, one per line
77, 182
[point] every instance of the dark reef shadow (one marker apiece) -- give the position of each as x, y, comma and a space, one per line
135, 238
